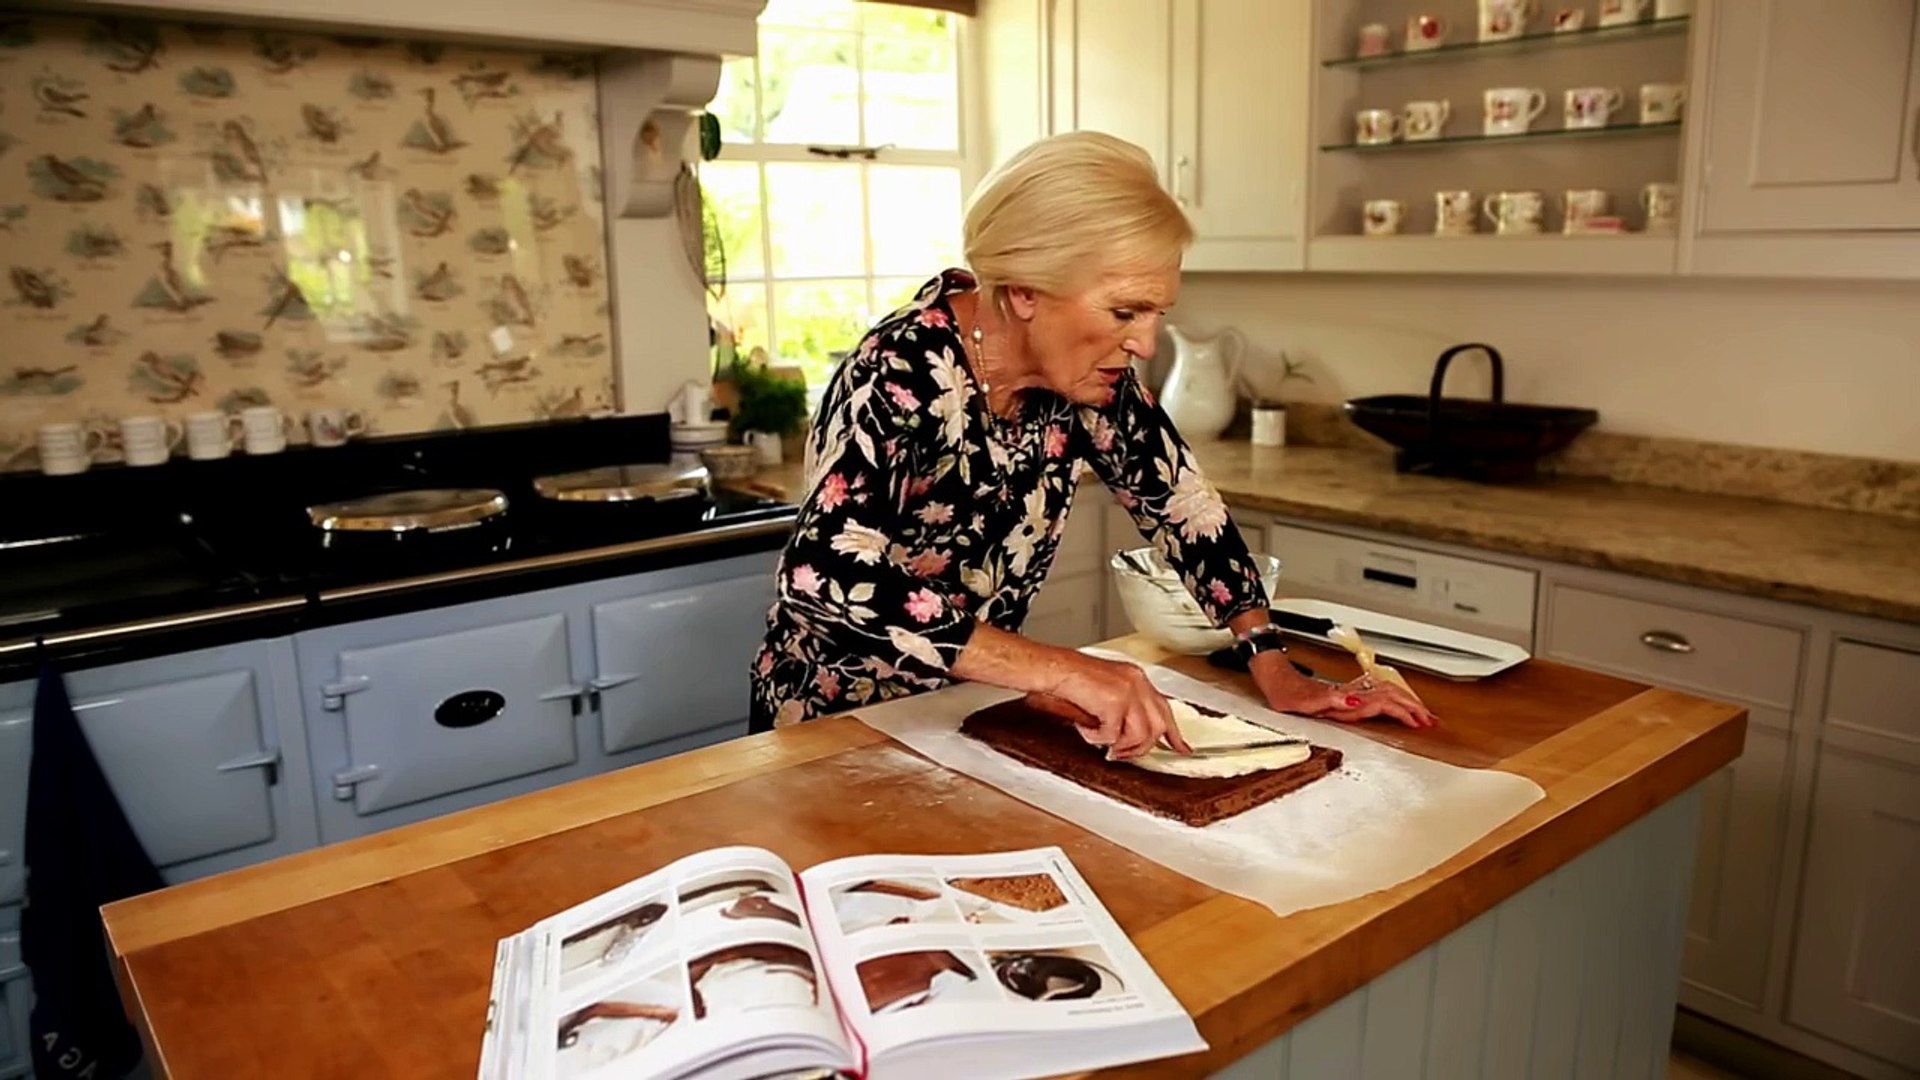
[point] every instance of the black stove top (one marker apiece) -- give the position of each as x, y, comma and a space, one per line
118, 545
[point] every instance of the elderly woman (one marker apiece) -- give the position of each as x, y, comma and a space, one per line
944, 458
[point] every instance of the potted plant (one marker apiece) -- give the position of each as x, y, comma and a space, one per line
771, 405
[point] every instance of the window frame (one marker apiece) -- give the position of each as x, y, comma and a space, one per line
966, 159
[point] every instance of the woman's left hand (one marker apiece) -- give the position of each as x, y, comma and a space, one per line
1286, 690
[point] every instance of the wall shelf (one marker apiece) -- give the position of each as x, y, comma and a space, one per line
1612, 130
1541, 40
1631, 254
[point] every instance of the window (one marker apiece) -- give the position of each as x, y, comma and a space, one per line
837, 191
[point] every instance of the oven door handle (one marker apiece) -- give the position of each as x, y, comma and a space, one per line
599, 684
574, 694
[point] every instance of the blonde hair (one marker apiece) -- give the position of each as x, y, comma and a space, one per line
1064, 210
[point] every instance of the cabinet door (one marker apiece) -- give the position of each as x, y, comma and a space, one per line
1112, 64
15, 994
1239, 97
16, 745
1792, 147
674, 664
1855, 976
1856, 979
1736, 872
437, 715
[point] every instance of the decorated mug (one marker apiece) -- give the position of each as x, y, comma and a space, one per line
1423, 120
1382, 217
1514, 213
1591, 106
1510, 110
1454, 213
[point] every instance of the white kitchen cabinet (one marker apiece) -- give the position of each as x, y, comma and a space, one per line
1804, 174
1216, 91
1794, 148
1856, 961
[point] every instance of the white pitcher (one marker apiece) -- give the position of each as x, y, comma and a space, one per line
1199, 393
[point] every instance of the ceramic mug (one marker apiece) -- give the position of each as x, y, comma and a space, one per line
1372, 127
1661, 202
1510, 110
1503, 20
1422, 120
333, 427
212, 434
66, 449
1672, 9
1582, 206
1514, 213
1567, 20
1382, 217
1425, 32
1621, 12
1453, 213
264, 429
148, 440
1660, 103
1592, 106
1374, 40
767, 449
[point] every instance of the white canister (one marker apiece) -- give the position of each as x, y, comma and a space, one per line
1269, 423
766, 447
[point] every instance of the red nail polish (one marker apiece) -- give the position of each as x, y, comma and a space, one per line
1353, 701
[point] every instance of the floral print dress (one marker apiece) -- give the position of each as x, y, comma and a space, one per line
928, 515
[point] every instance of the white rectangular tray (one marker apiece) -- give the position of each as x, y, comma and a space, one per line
1445, 665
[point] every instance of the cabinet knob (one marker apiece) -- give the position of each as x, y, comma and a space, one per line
1666, 641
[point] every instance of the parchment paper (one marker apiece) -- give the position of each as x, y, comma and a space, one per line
1384, 816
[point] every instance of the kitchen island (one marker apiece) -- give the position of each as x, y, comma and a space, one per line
1553, 938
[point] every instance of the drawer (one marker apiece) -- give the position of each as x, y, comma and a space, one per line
1674, 646
1872, 691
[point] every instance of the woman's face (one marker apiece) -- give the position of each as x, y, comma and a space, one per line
1082, 343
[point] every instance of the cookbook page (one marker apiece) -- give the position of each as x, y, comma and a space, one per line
932, 947
705, 960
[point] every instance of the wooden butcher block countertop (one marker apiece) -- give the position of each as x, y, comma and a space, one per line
373, 957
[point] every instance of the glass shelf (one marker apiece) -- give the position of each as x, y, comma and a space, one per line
1613, 130
1542, 39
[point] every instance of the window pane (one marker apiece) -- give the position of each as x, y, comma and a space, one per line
810, 87
733, 195
839, 14
733, 102
892, 294
816, 319
744, 311
916, 218
912, 95
902, 20
814, 212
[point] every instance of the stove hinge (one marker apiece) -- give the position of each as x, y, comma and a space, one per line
345, 779
333, 695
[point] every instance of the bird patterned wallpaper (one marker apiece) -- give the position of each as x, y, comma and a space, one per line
197, 217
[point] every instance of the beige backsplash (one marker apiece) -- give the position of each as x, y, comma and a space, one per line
200, 217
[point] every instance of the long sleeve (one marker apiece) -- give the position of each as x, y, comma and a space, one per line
1136, 452
868, 571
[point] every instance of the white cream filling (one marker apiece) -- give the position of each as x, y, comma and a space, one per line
1203, 730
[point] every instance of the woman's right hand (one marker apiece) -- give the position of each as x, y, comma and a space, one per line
1128, 716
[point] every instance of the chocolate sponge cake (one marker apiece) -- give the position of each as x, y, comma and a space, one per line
1040, 735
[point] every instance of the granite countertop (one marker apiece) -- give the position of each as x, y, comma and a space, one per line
1865, 564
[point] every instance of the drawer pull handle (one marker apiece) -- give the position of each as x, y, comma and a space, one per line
1666, 641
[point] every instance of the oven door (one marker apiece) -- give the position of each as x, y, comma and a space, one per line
442, 713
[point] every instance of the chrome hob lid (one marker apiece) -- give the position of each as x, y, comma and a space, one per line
403, 511
625, 483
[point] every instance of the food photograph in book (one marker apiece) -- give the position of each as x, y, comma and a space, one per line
621, 1024
913, 978
1056, 974
742, 977
594, 950
736, 898
1017, 899
903, 900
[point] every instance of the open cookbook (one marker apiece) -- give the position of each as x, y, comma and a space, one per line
726, 964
